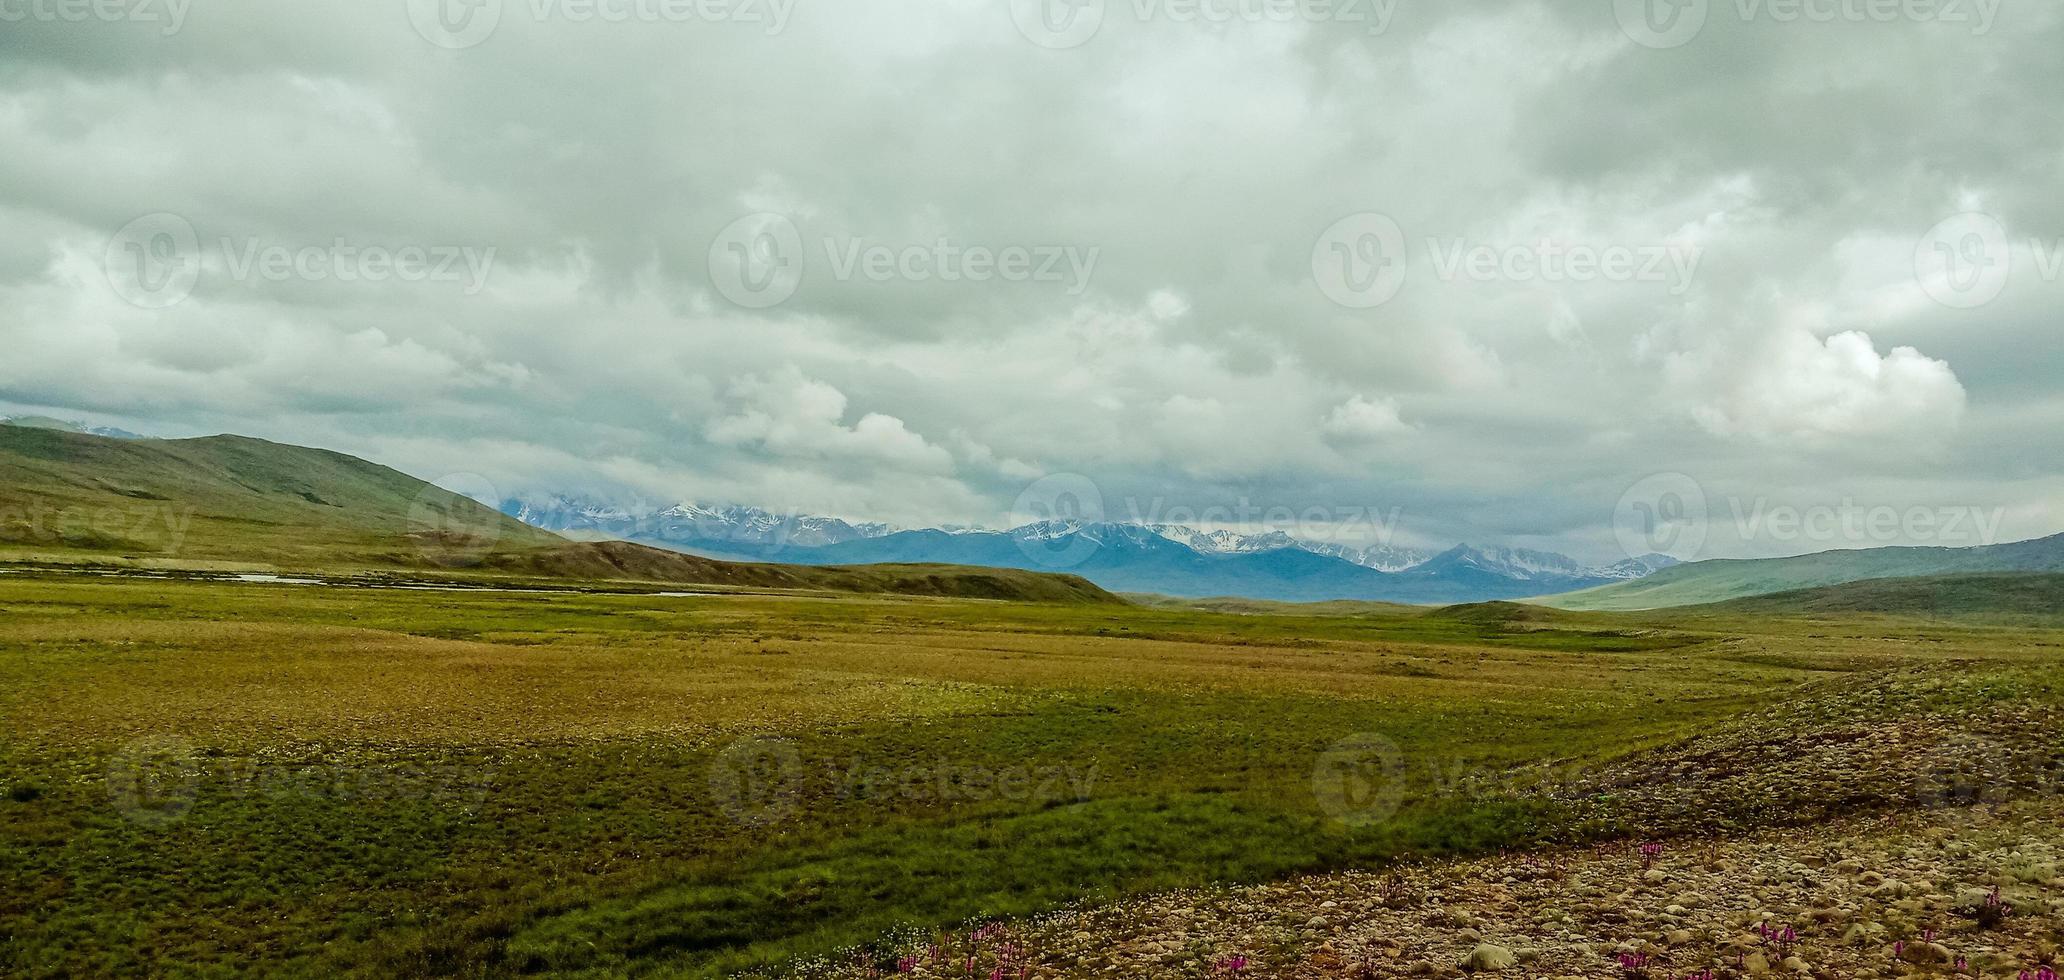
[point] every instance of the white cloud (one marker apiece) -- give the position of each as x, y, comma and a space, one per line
794, 416
1793, 388
1361, 418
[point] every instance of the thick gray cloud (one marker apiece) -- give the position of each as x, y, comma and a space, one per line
1719, 254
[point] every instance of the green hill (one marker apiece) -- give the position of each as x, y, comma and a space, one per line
1698, 583
231, 501
2006, 595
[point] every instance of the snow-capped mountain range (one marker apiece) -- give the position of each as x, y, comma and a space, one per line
691, 523
42, 422
1224, 542
1173, 559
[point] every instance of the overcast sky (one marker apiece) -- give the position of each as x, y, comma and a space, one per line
1504, 272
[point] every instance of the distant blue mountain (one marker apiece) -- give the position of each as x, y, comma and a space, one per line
1165, 559
1128, 558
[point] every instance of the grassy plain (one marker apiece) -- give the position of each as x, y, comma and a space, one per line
225, 779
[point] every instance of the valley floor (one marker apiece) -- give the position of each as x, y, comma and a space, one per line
223, 779
1888, 824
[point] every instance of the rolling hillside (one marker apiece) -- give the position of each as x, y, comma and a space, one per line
230, 498
228, 501
1703, 582
2006, 595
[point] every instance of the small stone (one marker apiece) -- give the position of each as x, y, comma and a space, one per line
1864, 934
1925, 953
1486, 958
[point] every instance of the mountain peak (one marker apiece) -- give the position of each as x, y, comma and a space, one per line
733, 525
62, 425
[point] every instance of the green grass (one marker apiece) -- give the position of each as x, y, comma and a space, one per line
1720, 580
221, 779
2032, 597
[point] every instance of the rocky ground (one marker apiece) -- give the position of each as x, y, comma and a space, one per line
1895, 741
1831, 901
1888, 827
